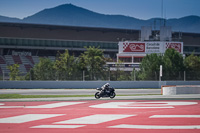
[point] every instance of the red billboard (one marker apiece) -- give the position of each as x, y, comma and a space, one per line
176, 46
133, 47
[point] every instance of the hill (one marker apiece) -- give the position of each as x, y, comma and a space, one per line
8, 19
72, 15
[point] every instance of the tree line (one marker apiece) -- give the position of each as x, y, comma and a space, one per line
65, 67
175, 66
91, 66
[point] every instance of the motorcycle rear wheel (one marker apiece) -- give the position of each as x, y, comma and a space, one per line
97, 95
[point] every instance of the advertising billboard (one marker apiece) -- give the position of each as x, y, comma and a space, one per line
153, 47
134, 47
149, 47
175, 45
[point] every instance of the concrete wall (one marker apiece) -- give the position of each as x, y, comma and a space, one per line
89, 84
175, 90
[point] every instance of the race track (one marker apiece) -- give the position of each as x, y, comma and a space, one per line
145, 116
76, 91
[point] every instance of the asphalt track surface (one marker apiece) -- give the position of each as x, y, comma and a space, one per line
129, 94
152, 114
76, 91
89, 116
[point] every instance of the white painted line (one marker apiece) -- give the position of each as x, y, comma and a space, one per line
94, 119
174, 103
1, 107
27, 118
58, 126
128, 105
155, 127
55, 105
175, 116
6, 107
141, 105
52, 105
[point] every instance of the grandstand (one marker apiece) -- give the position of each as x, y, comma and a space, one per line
25, 43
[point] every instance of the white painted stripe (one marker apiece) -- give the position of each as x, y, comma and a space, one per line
9, 106
167, 103
131, 105
54, 105
27, 118
5, 107
148, 107
94, 119
142, 105
58, 126
175, 116
155, 127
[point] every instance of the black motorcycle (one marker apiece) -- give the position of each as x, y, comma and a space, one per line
105, 93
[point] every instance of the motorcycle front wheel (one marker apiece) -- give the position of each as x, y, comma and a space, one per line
112, 95
97, 95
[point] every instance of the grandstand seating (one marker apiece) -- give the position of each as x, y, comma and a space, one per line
22, 69
35, 59
25, 60
2, 61
17, 59
4, 68
30, 59
52, 58
1, 72
9, 60
25, 63
28, 67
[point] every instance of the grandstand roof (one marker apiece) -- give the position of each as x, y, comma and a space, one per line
41, 31
41, 36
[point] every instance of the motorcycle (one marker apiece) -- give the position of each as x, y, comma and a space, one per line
106, 93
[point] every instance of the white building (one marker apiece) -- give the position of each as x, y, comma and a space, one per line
130, 53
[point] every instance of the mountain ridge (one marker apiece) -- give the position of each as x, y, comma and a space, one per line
71, 15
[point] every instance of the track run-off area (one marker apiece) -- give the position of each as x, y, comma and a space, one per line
144, 116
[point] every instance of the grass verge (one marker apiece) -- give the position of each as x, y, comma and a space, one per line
16, 96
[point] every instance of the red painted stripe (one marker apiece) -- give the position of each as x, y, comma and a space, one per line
151, 118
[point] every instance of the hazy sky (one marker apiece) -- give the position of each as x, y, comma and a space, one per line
142, 9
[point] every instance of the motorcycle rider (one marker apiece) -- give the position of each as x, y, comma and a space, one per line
105, 88
105, 91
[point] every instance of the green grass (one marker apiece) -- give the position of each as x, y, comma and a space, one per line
15, 96
18, 96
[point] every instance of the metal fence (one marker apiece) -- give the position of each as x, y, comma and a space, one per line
109, 76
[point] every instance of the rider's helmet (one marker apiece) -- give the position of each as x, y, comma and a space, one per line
107, 84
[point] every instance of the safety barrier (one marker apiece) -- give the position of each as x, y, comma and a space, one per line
184, 89
89, 84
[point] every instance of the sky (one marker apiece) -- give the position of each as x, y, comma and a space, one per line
141, 9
